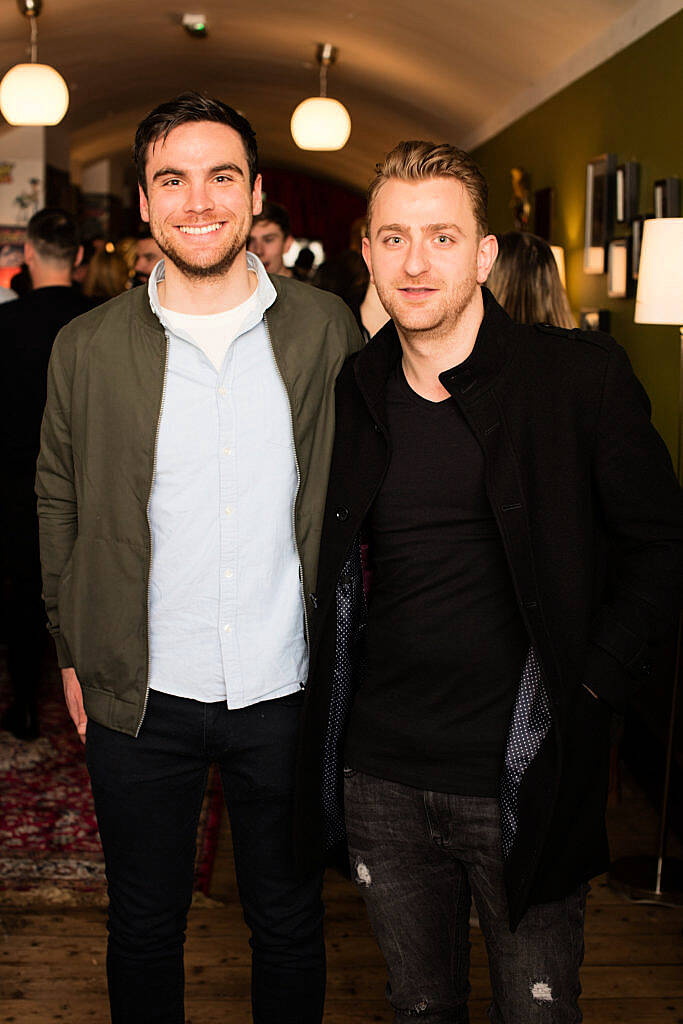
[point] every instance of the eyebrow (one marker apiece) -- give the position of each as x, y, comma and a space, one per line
425, 227
174, 172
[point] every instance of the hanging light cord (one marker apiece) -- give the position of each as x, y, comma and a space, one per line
33, 21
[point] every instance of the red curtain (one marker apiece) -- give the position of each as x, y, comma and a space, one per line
318, 209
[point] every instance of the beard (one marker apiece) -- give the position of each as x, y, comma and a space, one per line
214, 265
437, 319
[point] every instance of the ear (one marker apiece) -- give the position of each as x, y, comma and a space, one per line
486, 257
79, 257
288, 243
367, 255
256, 196
144, 205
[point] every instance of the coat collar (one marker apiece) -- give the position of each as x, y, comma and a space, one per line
492, 350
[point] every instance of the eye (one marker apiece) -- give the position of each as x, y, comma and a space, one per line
393, 240
443, 240
172, 181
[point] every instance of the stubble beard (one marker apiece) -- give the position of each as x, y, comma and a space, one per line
201, 271
429, 324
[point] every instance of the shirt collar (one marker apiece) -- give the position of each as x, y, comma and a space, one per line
265, 292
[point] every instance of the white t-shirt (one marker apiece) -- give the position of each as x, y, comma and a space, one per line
214, 333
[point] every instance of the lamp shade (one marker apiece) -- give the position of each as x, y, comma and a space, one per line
320, 123
33, 94
659, 299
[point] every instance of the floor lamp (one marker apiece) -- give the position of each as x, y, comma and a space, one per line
659, 300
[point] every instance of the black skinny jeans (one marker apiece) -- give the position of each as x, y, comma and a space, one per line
419, 858
148, 793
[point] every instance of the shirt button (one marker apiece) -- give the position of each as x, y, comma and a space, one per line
226, 451
228, 510
222, 391
228, 574
227, 628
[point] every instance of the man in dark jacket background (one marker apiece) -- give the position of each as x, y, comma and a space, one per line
28, 328
524, 530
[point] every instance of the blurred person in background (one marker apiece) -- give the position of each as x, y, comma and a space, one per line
526, 282
303, 266
347, 276
271, 237
107, 275
79, 272
28, 328
21, 282
127, 248
147, 255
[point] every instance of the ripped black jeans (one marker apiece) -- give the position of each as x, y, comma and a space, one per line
418, 858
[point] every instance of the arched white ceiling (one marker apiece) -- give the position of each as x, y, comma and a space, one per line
441, 69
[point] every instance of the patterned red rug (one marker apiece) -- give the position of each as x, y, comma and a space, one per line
49, 845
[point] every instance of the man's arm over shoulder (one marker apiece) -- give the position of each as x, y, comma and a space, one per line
642, 507
57, 509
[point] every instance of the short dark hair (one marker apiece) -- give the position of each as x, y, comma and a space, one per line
53, 233
184, 109
274, 213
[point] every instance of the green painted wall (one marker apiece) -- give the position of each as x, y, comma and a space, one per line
631, 105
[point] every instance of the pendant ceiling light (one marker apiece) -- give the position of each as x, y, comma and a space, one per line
33, 93
319, 122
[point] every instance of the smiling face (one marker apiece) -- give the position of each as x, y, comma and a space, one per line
425, 253
199, 203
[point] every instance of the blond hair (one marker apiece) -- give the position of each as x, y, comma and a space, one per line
526, 282
417, 160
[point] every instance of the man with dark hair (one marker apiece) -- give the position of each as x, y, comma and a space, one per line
147, 255
525, 535
27, 331
181, 481
271, 237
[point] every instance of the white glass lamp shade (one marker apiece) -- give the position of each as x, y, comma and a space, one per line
659, 299
33, 94
321, 123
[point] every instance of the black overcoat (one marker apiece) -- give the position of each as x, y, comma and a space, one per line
590, 516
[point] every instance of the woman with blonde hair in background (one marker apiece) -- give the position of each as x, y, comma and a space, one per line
526, 282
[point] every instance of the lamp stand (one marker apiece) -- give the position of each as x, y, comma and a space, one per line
659, 879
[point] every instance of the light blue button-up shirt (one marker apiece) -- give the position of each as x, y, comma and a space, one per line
226, 606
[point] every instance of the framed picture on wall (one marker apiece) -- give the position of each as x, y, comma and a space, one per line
667, 197
600, 186
627, 181
636, 243
594, 320
617, 268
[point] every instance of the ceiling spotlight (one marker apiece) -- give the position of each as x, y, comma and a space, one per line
195, 25
321, 123
33, 93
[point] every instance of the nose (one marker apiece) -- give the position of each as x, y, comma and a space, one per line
416, 260
198, 198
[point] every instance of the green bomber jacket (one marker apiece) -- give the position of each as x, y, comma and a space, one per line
96, 467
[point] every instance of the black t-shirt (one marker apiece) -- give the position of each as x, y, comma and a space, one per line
445, 640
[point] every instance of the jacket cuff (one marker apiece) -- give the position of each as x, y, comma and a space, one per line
64, 659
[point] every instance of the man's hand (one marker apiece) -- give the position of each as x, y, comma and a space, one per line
73, 696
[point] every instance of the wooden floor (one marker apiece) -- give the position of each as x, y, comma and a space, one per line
52, 960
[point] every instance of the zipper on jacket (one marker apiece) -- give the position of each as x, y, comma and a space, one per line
296, 493
149, 526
